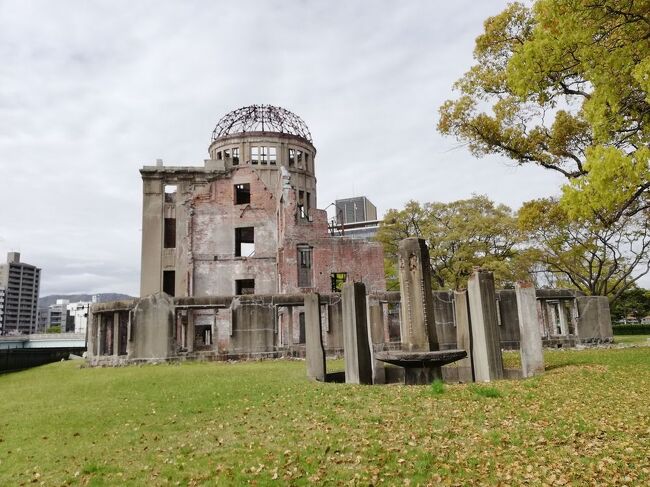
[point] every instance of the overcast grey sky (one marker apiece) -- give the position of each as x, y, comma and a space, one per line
90, 91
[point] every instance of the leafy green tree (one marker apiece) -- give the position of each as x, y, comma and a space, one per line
565, 85
633, 302
460, 235
597, 259
53, 329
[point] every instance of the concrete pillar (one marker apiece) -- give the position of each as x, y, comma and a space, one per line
530, 339
356, 350
314, 350
335, 326
418, 327
376, 328
116, 334
99, 320
190, 330
463, 336
152, 327
91, 335
486, 345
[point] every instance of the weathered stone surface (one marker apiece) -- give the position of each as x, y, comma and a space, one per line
376, 327
358, 363
530, 338
594, 322
463, 336
418, 328
420, 359
152, 331
314, 350
486, 348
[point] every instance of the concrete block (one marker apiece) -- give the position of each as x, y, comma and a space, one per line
530, 338
356, 349
594, 323
486, 348
314, 350
153, 327
463, 336
376, 328
418, 328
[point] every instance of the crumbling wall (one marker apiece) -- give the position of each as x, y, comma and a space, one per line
214, 220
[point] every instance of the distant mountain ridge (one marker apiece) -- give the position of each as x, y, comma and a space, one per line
46, 301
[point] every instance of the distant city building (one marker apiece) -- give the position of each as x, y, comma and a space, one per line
21, 283
355, 218
354, 210
71, 317
78, 315
2, 307
362, 230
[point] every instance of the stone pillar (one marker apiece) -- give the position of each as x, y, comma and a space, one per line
116, 334
356, 350
486, 345
376, 327
314, 350
418, 327
152, 327
530, 339
91, 335
463, 336
190, 330
335, 326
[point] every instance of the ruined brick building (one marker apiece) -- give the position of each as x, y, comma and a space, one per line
246, 222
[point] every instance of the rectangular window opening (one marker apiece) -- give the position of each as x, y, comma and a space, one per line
170, 193
304, 266
169, 282
219, 155
226, 153
235, 156
301, 328
170, 233
255, 155
244, 286
338, 279
292, 157
242, 194
273, 156
244, 241
263, 155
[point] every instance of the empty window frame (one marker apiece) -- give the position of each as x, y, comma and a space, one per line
244, 286
242, 194
301, 328
170, 193
296, 157
244, 241
304, 266
170, 233
169, 282
338, 279
219, 155
226, 153
264, 155
235, 156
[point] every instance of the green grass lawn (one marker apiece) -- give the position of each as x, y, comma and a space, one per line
585, 421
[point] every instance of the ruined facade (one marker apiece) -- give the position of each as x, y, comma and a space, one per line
246, 222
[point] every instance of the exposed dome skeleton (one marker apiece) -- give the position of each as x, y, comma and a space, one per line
261, 118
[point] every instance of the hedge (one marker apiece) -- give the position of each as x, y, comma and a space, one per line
631, 329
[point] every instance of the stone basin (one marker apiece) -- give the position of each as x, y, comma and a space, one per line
421, 367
